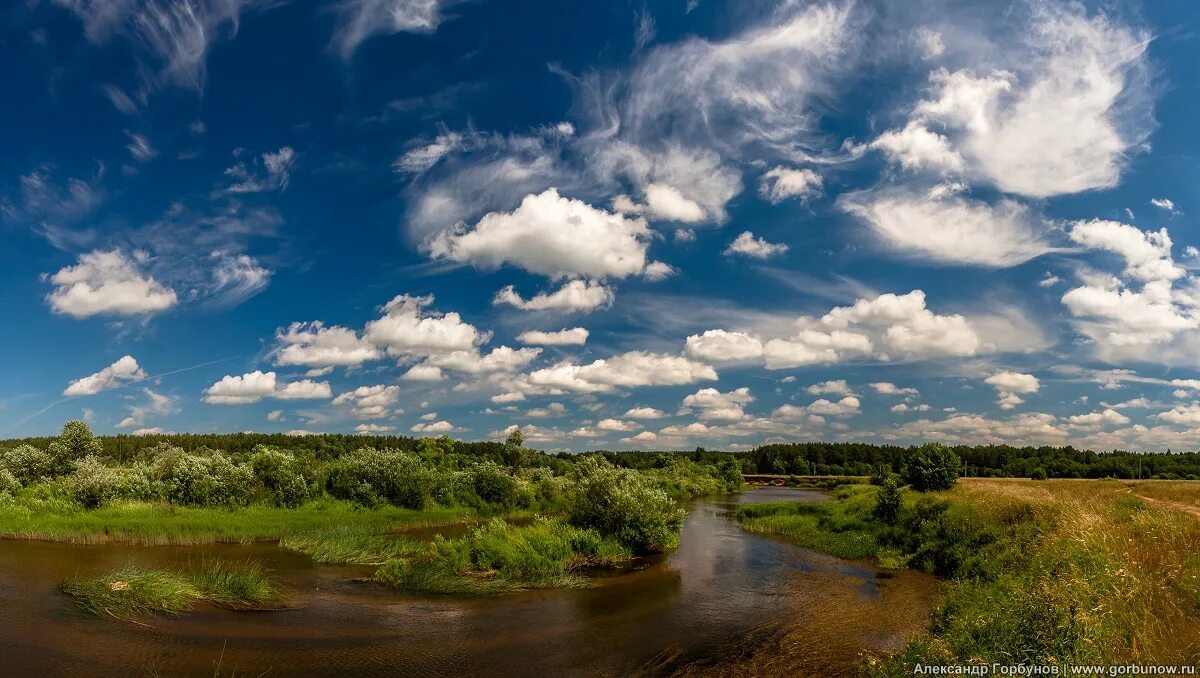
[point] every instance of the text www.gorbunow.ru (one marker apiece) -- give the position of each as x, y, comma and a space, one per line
1054, 670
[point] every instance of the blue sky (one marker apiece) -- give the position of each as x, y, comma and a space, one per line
614, 224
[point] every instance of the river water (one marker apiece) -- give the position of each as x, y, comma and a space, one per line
720, 583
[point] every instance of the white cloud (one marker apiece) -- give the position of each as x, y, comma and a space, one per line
635, 368
666, 202
270, 173
423, 373
423, 157
616, 425
835, 386
575, 296
643, 437
1108, 417
235, 278
847, 406
151, 431
1147, 254
370, 402
124, 370
715, 405
916, 148
943, 227
551, 410
275, 415
1072, 105
1165, 204
316, 345
156, 404
1010, 386
406, 329
780, 183
644, 413
434, 427
499, 359
721, 346
1049, 280
139, 147
905, 407
254, 386
543, 236
108, 283
359, 20
504, 398
373, 429
757, 248
888, 388
576, 336
929, 42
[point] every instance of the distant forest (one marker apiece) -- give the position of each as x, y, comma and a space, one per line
812, 458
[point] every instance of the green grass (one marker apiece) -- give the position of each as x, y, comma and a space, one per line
133, 591
835, 528
58, 519
352, 544
500, 558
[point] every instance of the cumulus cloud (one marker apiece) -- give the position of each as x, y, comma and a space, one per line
576, 336
575, 296
156, 404
780, 183
888, 388
316, 345
499, 359
543, 236
436, 427
835, 386
254, 386
634, 368
721, 346
408, 329
124, 370
644, 413
110, 283
1010, 386
370, 402
917, 148
758, 248
1165, 204
711, 404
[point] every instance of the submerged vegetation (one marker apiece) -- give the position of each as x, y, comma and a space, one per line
1037, 572
133, 591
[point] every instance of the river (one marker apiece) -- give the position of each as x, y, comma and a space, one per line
720, 583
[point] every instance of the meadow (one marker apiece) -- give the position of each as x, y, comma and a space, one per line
1050, 572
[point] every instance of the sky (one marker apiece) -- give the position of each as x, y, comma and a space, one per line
617, 225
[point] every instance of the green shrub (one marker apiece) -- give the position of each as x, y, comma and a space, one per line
281, 476
624, 504
1038, 474
932, 467
74, 443
93, 484
199, 480
27, 463
371, 477
497, 486
8, 482
887, 502
138, 484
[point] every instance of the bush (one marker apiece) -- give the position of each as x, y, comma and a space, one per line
932, 467
498, 487
74, 443
197, 480
8, 482
1038, 474
624, 504
27, 463
281, 476
138, 484
887, 502
93, 484
371, 477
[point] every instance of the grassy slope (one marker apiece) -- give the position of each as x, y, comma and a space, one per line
1070, 571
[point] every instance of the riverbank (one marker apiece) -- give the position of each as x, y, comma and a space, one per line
1036, 572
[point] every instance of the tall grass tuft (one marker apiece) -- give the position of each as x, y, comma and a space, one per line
133, 591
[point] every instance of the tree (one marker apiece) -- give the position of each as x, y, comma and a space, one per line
932, 466
515, 454
887, 502
74, 443
1038, 474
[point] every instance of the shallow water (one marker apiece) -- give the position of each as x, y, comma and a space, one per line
719, 583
